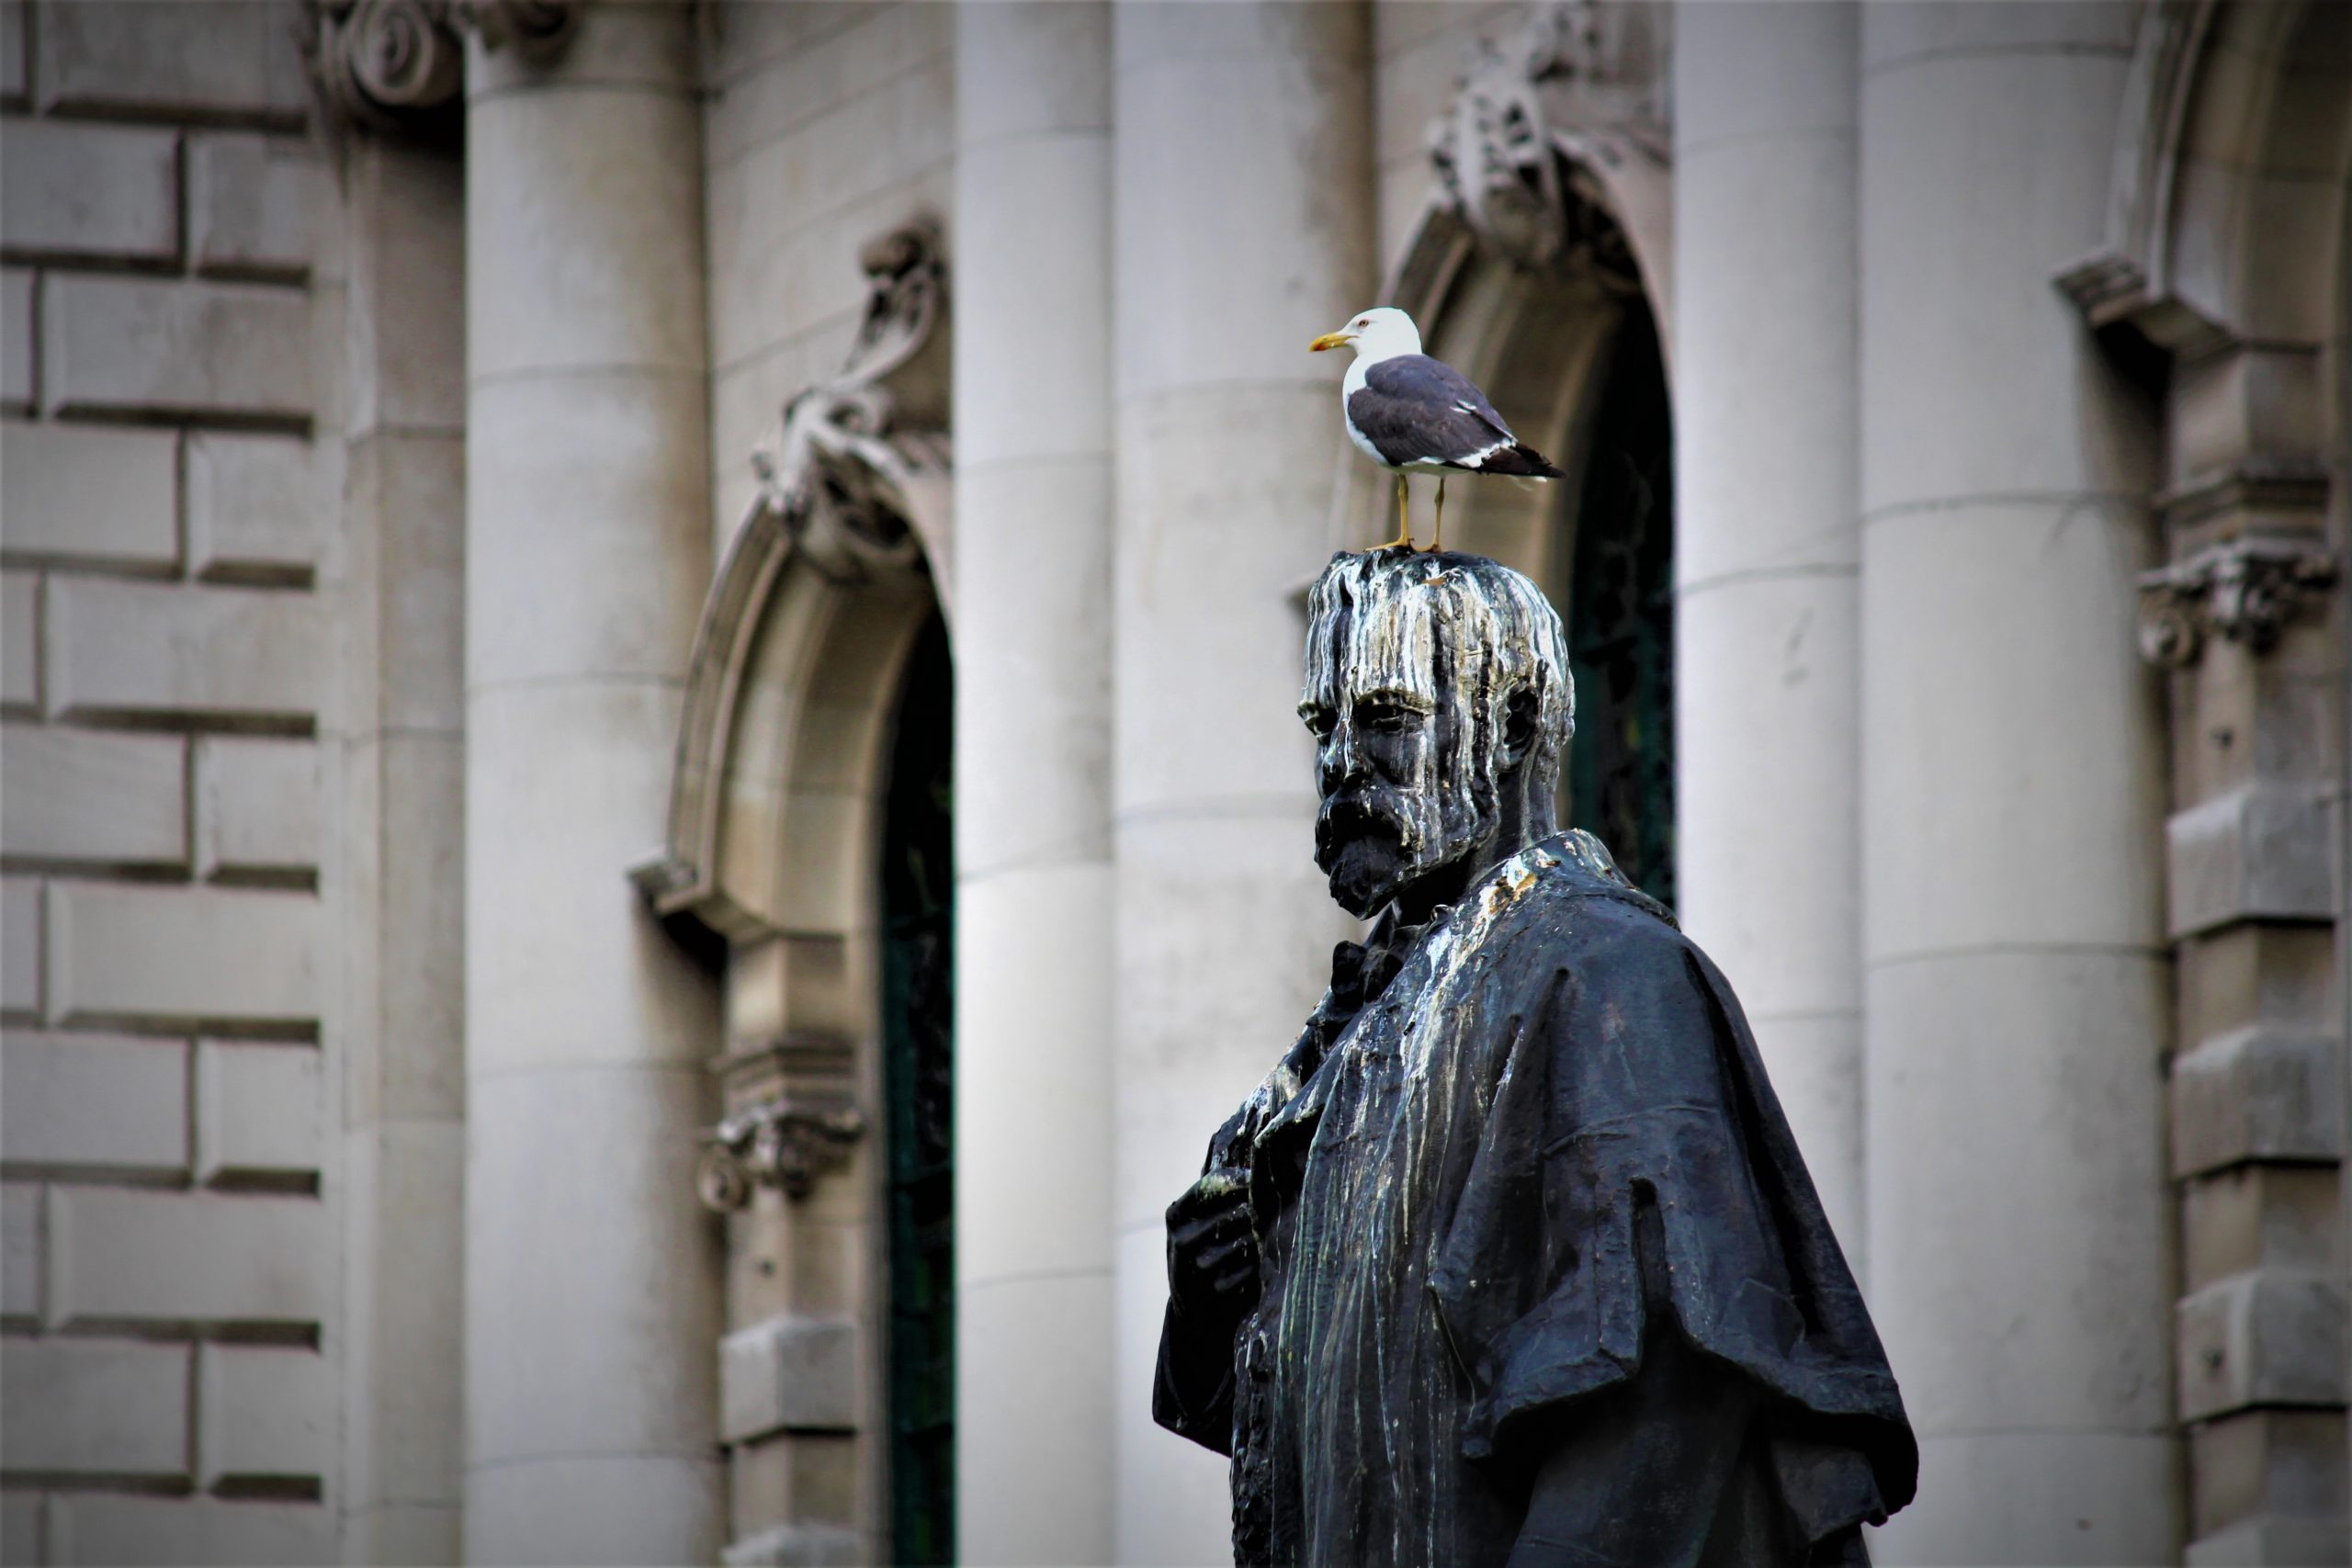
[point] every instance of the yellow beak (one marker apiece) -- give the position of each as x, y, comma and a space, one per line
1329, 340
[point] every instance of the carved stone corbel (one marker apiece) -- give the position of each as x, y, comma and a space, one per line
779, 1142
1523, 181
857, 476
2246, 590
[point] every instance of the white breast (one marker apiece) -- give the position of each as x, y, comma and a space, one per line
1349, 385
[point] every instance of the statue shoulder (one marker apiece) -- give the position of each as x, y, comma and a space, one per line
1576, 865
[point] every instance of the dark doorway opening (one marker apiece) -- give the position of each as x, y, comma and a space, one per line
918, 1091
1621, 617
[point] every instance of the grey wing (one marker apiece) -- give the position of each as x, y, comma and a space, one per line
1415, 408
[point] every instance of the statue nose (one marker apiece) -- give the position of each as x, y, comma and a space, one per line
1340, 761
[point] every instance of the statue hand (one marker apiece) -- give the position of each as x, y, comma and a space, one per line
1212, 1252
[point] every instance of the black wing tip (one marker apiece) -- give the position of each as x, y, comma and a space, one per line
1522, 461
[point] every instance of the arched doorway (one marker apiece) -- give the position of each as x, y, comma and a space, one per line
1619, 602
1571, 348
806, 853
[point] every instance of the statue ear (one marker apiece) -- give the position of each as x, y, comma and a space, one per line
1521, 709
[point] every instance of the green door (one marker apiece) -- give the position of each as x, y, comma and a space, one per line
918, 1086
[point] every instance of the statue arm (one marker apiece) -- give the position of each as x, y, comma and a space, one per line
1212, 1288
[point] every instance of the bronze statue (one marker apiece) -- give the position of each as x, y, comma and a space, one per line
1511, 1259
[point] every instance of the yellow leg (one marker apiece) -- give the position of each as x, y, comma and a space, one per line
1437, 542
1404, 524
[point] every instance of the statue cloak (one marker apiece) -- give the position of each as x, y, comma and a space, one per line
1447, 1183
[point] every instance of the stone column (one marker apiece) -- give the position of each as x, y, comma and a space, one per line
1766, 682
2013, 772
1242, 183
1033, 792
591, 1307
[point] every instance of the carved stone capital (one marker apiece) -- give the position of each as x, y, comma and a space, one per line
780, 1142
2246, 590
535, 29
399, 65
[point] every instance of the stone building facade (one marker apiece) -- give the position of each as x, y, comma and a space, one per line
531, 526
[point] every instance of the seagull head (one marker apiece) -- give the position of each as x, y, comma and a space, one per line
1382, 333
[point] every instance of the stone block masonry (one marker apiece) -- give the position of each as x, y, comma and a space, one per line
169, 1342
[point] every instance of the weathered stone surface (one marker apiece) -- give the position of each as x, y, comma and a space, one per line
2270, 1336
2257, 970
133, 1255
261, 1110
256, 204
789, 1372
2256, 1093
2258, 851
2251, 1215
258, 804
20, 941
201, 1533
263, 1411
16, 338
223, 656
20, 1512
118, 345
164, 57
93, 797
589, 1285
12, 87
797, 1546
422, 780
73, 190
94, 1100
108, 1409
77, 495
2271, 1543
20, 1249
403, 1190
2266, 1464
186, 955
20, 641
254, 503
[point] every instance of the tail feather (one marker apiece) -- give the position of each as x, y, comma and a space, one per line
1520, 459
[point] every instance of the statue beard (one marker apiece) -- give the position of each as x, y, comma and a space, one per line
1373, 843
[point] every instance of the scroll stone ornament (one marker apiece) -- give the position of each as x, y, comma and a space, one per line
2245, 590
392, 64
399, 65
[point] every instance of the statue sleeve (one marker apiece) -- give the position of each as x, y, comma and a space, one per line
1191, 1390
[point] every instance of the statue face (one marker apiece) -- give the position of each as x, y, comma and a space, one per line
1388, 762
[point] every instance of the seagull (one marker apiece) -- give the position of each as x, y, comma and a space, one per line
1412, 415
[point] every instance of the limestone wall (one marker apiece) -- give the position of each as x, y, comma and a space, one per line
1419, 48
173, 625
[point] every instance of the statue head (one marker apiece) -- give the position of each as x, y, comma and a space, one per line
1439, 694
